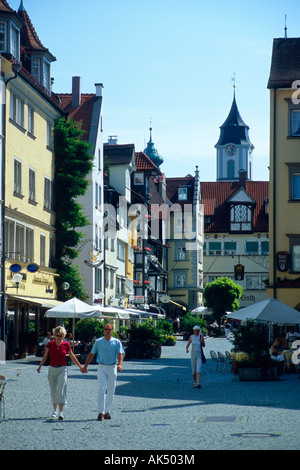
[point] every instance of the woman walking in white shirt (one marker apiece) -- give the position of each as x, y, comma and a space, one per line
197, 341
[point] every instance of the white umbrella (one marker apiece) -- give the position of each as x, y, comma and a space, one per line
73, 308
269, 310
202, 310
113, 311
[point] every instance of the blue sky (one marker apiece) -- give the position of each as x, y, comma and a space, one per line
171, 62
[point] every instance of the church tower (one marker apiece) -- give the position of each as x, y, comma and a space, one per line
234, 149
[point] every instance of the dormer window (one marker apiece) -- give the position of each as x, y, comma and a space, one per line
241, 206
10, 39
3, 39
36, 68
15, 42
240, 218
41, 71
182, 194
46, 77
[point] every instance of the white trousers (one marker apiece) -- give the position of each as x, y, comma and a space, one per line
107, 378
196, 362
58, 378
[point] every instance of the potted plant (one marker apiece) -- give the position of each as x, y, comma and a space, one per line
255, 362
170, 340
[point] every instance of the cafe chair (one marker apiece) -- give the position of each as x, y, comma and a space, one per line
228, 359
3, 381
214, 359
223, 363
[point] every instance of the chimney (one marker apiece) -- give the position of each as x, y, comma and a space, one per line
112, 140
242, 178
99, 88
76, 92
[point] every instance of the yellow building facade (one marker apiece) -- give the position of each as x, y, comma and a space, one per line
29, 229
29, 111
284, 272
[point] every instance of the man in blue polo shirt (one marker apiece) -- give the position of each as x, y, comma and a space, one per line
109, 351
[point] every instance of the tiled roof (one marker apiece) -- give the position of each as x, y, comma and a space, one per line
4, 7
216, 194
29, 37
119, 154
82, 114
285, 65
144, 163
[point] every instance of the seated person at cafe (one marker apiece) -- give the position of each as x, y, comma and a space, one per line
276, 351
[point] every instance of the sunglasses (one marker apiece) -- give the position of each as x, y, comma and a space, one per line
108, 328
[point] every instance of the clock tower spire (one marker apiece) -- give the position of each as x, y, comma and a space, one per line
234, 148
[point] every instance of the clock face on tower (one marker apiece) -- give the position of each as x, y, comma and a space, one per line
230, 150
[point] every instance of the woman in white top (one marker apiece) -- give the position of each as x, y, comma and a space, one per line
196, 358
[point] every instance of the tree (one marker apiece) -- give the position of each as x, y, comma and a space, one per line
73, 162
251, 338
221, 296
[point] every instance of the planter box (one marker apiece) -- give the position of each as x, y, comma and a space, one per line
256, 373
249, 373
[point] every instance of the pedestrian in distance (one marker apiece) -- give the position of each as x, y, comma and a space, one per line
109, 351
197, 342
58, 372
227, 327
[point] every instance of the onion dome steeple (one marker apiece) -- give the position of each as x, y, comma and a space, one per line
152, 153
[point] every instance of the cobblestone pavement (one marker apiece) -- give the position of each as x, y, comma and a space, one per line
155, 408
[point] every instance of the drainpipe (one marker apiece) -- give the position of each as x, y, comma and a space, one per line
15, 70
3, 308
274, 193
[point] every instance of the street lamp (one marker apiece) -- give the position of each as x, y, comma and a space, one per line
16, 279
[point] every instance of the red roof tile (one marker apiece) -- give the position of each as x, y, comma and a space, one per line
82, 114
216, 194
29, 37
144, 163
4, 6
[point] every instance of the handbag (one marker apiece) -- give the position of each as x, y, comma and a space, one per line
203, 358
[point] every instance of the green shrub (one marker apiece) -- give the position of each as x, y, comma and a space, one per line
146, 332
89, 328
165, 326
188, 321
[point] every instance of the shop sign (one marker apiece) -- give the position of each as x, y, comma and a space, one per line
282, 258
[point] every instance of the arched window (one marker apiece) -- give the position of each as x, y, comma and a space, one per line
230, 169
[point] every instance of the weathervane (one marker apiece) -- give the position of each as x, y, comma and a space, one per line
233, 80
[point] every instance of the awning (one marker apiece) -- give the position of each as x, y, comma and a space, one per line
45, 303
114, 312
145, 314
178, 305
